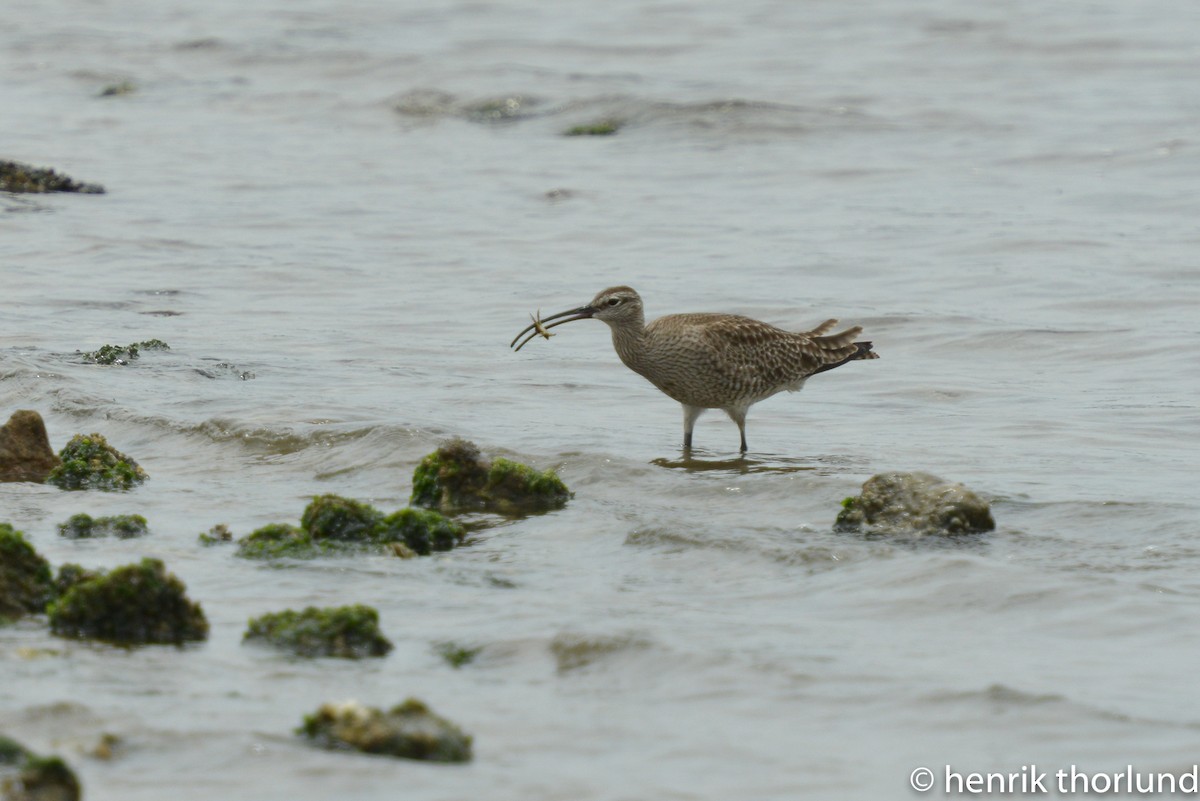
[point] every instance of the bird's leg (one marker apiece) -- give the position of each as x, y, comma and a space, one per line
739, 416
690, 413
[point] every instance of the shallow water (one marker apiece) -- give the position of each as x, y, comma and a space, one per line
339, 215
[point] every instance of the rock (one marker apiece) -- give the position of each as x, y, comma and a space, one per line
26, 581
409, 731
456, 478
421, 530
82, 526
115, 354
914, 504
25, 452
69, 575
276, 540
331, 523
17, 177
217, 535
25, 776
351, 632
89, 462
131, 605
332, 517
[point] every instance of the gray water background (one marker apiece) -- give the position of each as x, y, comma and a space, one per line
338, 215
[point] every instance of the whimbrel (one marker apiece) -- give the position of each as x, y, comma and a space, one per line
711, 361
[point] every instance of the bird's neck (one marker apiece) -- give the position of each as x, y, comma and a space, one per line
629, 340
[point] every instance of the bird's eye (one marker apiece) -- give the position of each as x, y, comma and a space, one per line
614, 301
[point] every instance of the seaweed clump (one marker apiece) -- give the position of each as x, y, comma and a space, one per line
17, 177
25, 776
409, 731
26, 581
351, 632
132, 605
82, 526
116, 354
331, 523
89, 462
456, 478
914, 504
598, 128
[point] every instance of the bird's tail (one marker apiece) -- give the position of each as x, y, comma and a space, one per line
862, 350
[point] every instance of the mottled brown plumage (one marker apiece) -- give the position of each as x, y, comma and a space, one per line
713, 361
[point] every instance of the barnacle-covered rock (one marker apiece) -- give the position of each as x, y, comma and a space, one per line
914, 504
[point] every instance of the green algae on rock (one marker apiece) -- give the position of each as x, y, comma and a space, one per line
914, 504
26, 581
276, 540
457, 655
351, 632
409, 731
69, 575
115, 354
422, 530
333, 524
598, 128
332, 517
25, 452
82, 526
17, 177
25, 776
456, 478
89, 462
131, 605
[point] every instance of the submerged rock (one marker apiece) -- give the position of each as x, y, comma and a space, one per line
115, 354
25, 776
276, 540
131, 605
331, 523
25, 452
17, 177
26, 581
82, 526
410, 731
456, 478
351, 632
421, 530
89, 462
606, 127
914, 504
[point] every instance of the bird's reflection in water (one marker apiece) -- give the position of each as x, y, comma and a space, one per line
701, 461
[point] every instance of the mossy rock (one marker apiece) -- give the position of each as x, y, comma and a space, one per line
69, 575
131, 605
277, 540
598, 128
332, 517
914, 504
422, 530
83, 526
26, 581
89, 462
26, 776
351, 632
409, 731
456, 478
117, 354
17, 177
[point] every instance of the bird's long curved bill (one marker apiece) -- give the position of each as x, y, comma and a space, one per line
535, 329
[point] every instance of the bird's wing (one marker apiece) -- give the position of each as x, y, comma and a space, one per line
763, 357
